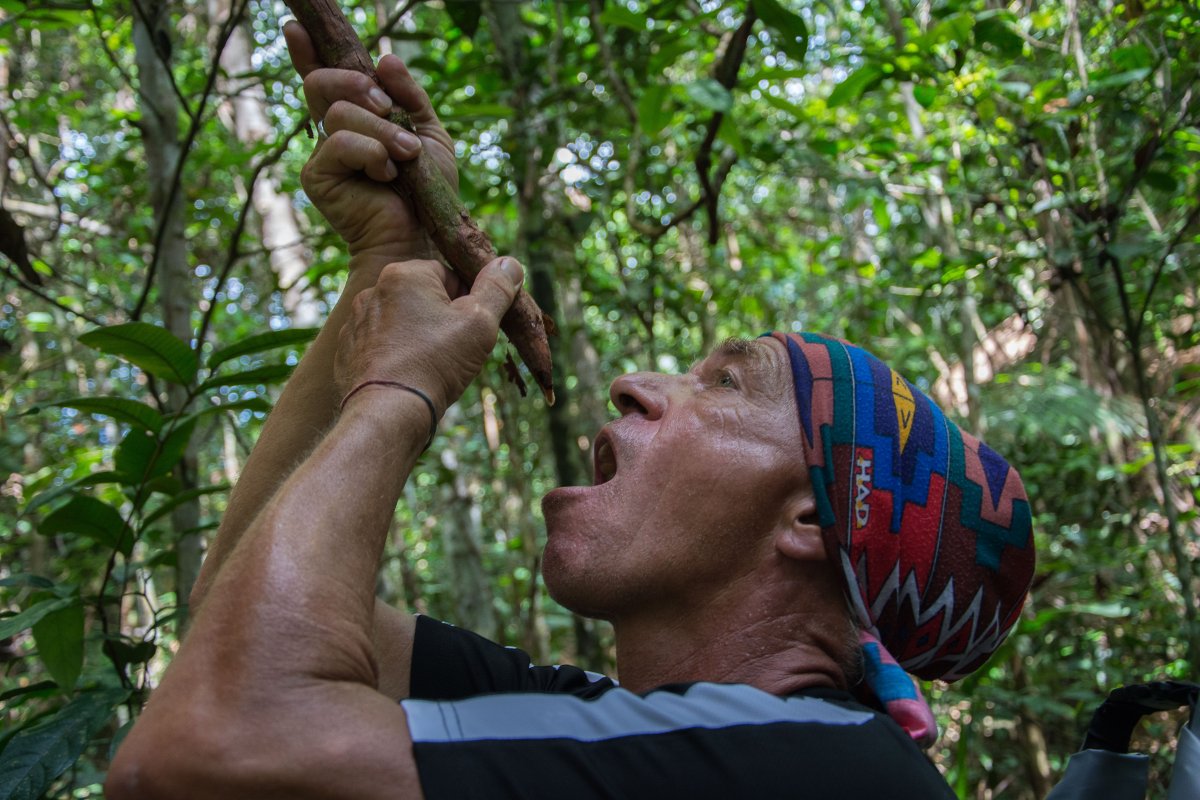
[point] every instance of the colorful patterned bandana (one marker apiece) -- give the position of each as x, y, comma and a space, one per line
930, 527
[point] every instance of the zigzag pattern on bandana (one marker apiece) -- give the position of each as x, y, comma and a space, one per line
931, 527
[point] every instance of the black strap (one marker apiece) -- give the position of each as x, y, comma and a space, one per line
1113, 723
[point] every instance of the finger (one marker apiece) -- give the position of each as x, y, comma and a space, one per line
300, 48
324, 87
409, 95
496, 287
346, 116
346, 153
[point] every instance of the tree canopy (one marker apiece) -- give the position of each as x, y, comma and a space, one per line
1000, 198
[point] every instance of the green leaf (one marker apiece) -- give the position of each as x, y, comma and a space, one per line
667, 54
10, 626
150, 347
854, 85
710, 94
89, 517
1120, 79
119, 408
26, 579
94, 479
465, 15
250, 403
472, 111
37, 755
995, 28
791, 30
783, 105
925, 95
261, 343
272, 373
39, 322
146, 457
731, 135
179, 499
41, 688
654, 111
620, 16
59, 638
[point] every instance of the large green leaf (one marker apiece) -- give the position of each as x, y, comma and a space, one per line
179, 499
119, 408
789, 27
710, 94
621, 17
10, 626
853, 86
248, 404
89, 517
37, 755
272, 373
145, 456
465, 15
154, 349
261, 343
94, 479
59, 638
654, 111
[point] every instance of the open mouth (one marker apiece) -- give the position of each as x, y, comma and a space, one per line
604, 459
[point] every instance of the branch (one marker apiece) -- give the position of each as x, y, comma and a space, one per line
726, 74
232, 253
388, 24
193, 130
1191, 220
465, 246
162, 49
36, 292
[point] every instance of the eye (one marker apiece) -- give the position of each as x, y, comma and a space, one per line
725, 379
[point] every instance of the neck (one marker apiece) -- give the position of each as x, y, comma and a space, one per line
754, 633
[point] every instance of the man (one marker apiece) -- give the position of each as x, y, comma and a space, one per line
751, 524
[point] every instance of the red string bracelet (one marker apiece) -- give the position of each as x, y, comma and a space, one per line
407, 388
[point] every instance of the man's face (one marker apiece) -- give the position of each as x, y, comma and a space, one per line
690, 483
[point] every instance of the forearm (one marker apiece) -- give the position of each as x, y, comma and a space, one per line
307, 562
272, 695
304, 413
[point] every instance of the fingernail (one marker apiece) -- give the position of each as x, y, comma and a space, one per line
380, 100
284, 20
511, 268
408, 141
390, 170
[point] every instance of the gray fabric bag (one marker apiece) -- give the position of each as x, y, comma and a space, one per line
1105, 769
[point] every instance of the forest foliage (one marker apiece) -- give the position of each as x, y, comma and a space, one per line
1000, 198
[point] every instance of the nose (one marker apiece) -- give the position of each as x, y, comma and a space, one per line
643, 393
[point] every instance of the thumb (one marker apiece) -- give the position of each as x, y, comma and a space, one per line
497, 284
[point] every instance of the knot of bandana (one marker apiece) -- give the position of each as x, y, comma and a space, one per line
930, 527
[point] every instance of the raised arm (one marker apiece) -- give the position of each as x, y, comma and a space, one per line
274, 692
344, 179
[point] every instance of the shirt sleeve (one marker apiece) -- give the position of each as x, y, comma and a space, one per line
450, 663
697, 741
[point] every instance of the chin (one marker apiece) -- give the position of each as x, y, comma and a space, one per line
572, 578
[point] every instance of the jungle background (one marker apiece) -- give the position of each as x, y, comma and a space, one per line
1001, 198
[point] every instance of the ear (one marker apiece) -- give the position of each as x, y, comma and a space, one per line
800, 538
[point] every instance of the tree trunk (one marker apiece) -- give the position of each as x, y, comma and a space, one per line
474, 608
160, 137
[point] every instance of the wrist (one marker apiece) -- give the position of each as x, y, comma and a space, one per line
395, 404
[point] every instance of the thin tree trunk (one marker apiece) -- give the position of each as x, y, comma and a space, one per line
160, 136
474, 608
